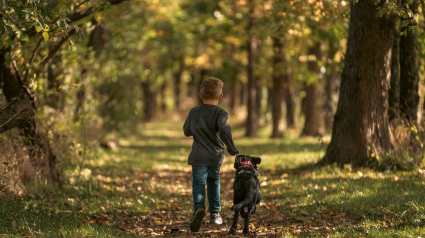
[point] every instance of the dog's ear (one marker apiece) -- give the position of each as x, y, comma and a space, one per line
256, 160
238, 161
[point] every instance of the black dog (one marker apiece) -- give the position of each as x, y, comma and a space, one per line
246, 190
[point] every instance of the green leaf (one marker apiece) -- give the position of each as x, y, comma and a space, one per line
80, 33
38, 28
71, 44
59, 23
46, 36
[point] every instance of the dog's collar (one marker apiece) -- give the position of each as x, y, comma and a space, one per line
247, 163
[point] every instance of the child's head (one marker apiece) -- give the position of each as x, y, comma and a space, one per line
211, 88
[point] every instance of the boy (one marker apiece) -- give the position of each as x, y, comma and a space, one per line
207, 123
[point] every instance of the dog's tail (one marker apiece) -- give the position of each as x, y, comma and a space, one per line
248, 200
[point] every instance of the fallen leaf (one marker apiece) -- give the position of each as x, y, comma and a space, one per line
159, 223
105, 223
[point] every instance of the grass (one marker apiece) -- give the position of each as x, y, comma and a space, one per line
143, 189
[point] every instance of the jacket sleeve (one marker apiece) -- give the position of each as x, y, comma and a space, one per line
225, 133
186, 127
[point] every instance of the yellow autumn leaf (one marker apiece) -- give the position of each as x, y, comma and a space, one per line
105, 222
159, 223
46, 36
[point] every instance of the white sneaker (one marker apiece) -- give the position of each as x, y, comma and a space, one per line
216, 218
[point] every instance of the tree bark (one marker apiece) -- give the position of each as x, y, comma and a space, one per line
409, 76
251, 122
277, 89
15, 114
41, 154
162, 93
394, 93
361, 127
54, 95
328, 108
150, 101
290, 104
234, 85
312, 119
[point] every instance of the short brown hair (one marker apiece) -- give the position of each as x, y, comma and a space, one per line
211, 88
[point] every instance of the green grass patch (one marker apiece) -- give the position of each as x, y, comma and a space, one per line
143, 188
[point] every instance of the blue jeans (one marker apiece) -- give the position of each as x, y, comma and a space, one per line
208, 175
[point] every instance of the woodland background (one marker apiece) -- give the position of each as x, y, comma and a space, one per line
94, 94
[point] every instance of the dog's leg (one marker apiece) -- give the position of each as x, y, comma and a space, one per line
246, 225
234, 224
243, 213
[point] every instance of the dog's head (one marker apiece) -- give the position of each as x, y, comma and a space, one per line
242, 160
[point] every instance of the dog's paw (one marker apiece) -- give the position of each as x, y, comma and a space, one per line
232, 231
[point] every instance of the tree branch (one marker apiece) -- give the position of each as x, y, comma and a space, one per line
27, 90
53, 52
81, 13
15, 114
32, 59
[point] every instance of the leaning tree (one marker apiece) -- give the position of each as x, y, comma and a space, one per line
361, 129
28, 24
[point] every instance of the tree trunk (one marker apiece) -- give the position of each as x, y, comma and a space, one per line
409, 77
290, 104
177, 82
81, 96
98, 37
15, 114
54, 95
41, 154
204, 73
312, 119
277, 89
258, 100
243, 94
328, 108
97, 44
11, 87
150, 101
251, 122
162, 93
394, 93
235, 89
234, 85
361, 127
